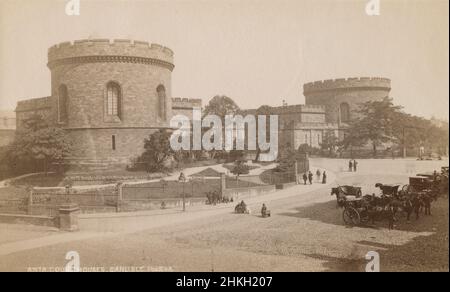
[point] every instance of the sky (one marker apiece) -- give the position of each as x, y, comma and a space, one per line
256, 52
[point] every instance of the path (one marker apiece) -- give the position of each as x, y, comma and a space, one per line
94, 225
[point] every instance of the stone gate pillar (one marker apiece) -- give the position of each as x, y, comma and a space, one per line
222, 184
68, 217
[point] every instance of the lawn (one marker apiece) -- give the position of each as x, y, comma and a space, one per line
13, 193
174, 189
272, 177
40, 180
230, 166
170, 189
94, 178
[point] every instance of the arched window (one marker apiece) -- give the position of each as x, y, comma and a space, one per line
161, 90
113, 99
63, 101
344, 109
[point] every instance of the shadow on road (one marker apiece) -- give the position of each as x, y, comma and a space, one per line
335, 264
323, 212
422, 253
328, 213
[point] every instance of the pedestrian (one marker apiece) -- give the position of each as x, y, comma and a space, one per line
310, 177
305, 178
350, 165
318, 175
391, 218
355, 163
324, 177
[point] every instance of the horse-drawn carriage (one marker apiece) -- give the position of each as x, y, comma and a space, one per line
413, 197
355, 211
344, 193
424, 184
360, 210
388, 189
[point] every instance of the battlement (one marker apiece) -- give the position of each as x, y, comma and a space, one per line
34, 104
299, 108
347, 83
178, 102
116, 48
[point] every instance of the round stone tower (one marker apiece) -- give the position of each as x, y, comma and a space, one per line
110, 95
341, 97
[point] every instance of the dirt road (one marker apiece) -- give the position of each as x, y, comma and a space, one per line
305, 233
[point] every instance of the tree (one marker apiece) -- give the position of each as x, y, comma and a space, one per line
352, 137
413, 132
240, 167
329, 142
221, 105
287, 158
157, 151
39, 143
375, 124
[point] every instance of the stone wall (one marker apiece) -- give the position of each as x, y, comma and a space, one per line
184, 106
85, 68
353, 91
245, 193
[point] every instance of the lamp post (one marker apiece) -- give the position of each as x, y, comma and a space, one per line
182, 179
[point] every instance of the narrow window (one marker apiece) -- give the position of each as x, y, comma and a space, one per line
161, 91
113, 99
345, 112
113, 142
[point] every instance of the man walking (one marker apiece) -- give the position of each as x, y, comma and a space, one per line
354, 165
305, 178
310, 177
318, 175
324, 177
350, 166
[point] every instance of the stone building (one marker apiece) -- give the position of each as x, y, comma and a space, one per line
329, 106
7, 127
184, 106
109, 95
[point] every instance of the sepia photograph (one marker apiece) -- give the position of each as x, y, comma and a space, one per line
239, 137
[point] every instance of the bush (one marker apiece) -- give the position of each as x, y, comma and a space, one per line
240, 168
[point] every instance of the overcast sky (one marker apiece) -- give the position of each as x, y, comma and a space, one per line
256, 52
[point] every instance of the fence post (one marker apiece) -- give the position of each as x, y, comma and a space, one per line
119, 190
68, 193
30, 201
223, 185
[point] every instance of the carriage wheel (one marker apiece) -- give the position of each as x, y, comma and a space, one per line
351, 216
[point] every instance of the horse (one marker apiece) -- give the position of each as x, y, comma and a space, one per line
342, 192
384, 207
